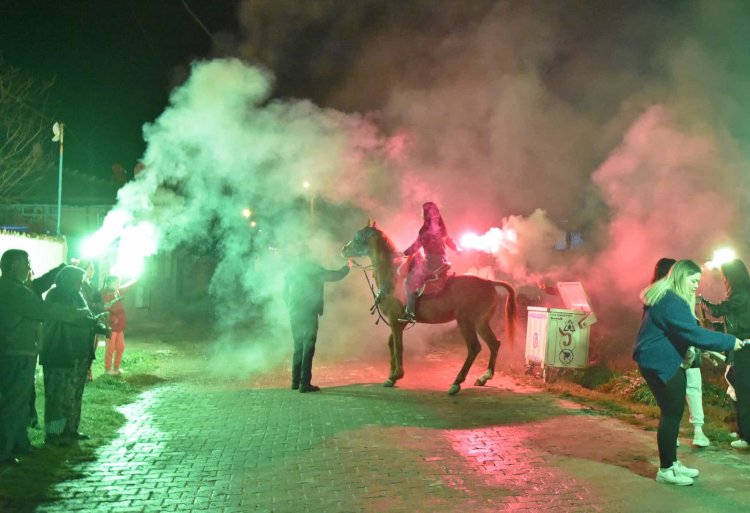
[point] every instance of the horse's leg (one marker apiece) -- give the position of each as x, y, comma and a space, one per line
473, 348
396, 346
485, 331
390, 381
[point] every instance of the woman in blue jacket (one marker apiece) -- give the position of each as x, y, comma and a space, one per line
668, 329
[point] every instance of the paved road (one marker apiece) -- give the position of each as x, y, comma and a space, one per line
253, 445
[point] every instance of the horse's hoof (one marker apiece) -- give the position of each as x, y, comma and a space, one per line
389, 383
480, 382
454, 389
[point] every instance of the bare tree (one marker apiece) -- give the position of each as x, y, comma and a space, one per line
23, 126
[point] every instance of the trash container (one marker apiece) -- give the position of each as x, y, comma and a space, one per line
559, 338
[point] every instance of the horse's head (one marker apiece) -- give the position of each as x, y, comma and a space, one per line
359, 246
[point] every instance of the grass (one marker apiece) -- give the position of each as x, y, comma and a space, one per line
32, 482
627, 397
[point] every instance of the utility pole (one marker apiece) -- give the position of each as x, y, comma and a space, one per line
59, 130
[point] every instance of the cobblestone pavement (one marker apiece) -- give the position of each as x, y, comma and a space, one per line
256, 446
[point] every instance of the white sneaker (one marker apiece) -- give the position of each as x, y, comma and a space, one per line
700, 439
685, 471
734, 435
111, 372
740, 444
117, 372
671, 476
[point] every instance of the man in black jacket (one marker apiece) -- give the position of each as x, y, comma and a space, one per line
20, 318
303, 295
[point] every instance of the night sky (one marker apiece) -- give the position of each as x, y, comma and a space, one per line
113, 63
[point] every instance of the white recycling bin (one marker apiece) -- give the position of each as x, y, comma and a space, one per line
559, 338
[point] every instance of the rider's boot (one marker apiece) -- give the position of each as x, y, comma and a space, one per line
411, 299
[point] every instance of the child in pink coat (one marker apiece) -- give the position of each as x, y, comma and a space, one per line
115, 346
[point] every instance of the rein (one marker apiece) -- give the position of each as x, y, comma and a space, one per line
375, 306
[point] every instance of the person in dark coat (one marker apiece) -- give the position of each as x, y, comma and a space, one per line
93, 297
40, 286
735, 310
432, 239
303, 296
21, 315
66, 358
668, 329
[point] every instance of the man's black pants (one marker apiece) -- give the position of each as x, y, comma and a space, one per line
16, 382
305, 334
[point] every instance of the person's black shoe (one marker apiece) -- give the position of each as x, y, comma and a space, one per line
295, 386
303, 389
78, 436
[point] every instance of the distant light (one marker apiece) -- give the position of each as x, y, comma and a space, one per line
246, 213
252, 224
720, 257
306, 184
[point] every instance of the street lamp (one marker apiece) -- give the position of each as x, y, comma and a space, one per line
58, 129
306, 185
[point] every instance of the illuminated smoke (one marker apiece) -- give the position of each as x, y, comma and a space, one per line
532, 117
493, 241
232, 174
503, 108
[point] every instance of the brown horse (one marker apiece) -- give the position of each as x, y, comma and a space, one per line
469, 300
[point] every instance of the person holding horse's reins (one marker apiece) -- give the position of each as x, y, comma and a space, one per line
303, 295
433, 238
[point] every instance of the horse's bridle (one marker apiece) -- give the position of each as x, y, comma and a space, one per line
359, 243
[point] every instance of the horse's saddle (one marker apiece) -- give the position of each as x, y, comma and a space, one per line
436, 281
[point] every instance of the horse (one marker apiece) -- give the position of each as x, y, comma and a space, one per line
469, 300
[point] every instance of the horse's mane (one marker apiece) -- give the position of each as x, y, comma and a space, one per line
385, 243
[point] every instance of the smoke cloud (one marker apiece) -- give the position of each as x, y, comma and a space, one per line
624, 121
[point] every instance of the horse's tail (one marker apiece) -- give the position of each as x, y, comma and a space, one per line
511, 311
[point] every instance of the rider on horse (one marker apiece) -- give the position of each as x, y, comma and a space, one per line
433, 238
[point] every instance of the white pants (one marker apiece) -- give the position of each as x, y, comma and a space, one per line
694, 395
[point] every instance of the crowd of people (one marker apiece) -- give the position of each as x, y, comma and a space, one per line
60, 332
668, 353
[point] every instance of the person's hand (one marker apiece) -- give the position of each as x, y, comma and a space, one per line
713, 357
739, 344
349, 262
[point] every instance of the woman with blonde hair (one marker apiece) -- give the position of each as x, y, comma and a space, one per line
668, 329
